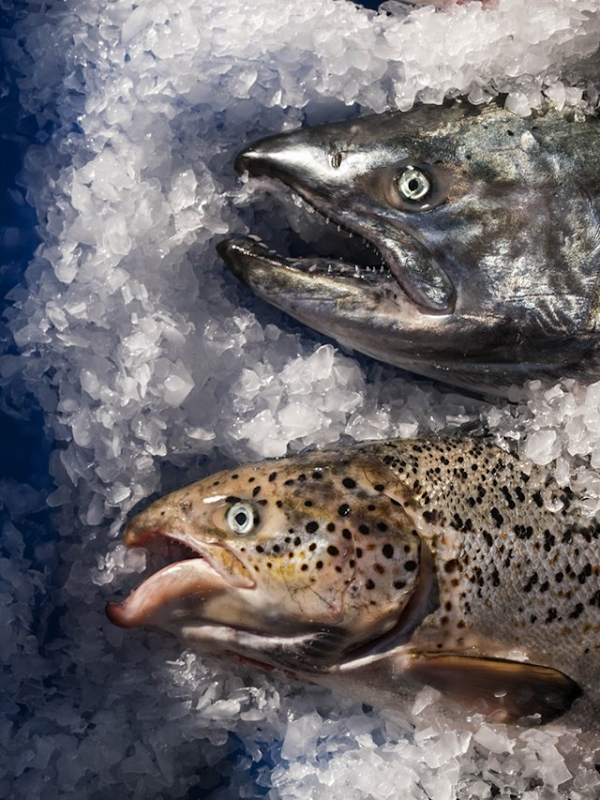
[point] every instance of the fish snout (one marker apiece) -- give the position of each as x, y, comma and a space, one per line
295, 158
267, 157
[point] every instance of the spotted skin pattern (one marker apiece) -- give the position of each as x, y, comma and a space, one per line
384, 551
513, 574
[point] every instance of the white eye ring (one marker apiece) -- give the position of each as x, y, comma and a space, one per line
413, 184
242, 518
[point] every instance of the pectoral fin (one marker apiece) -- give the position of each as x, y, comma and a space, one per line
504, 690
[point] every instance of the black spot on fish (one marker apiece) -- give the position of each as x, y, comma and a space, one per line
577, 612
344, 510
388, 550
538, 500
319, 565
349, 483
330, 527
410, 566
346, 534
256, 491
497, 517
531, 582
332, 550
552, 615
370, 584
272, 477
363, 528
311, 527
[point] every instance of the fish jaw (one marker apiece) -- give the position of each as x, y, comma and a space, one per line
339, 301
183, 588
491, 282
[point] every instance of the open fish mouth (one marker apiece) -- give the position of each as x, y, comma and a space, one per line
339, 253
192, 575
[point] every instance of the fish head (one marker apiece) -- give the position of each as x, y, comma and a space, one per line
475, 242
288, 563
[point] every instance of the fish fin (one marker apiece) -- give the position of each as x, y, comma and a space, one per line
504, 690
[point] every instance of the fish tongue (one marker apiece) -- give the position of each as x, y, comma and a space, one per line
167, 594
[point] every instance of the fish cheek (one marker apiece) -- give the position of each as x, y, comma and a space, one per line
387, 553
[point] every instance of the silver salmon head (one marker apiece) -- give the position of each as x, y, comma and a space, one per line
289, 563
483, 231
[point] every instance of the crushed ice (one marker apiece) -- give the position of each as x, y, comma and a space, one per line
153, 367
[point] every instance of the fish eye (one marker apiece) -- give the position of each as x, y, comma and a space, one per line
242, 518
413, 184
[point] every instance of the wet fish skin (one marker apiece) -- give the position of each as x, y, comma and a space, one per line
490, 281
386, 567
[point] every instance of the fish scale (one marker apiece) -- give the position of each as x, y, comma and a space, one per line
515, 572
385, 567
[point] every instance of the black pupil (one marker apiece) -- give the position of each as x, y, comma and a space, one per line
413, 184
241, 518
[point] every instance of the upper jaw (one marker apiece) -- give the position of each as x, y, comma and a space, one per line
196, 573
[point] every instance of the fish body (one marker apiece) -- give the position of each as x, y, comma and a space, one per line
384, 568
483, 241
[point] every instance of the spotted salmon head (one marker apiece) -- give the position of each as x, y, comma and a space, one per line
290, 563
475, 253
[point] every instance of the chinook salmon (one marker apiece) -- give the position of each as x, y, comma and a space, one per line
384, 568
476, 242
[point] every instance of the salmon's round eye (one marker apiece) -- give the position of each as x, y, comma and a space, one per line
413, 184
242, 518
